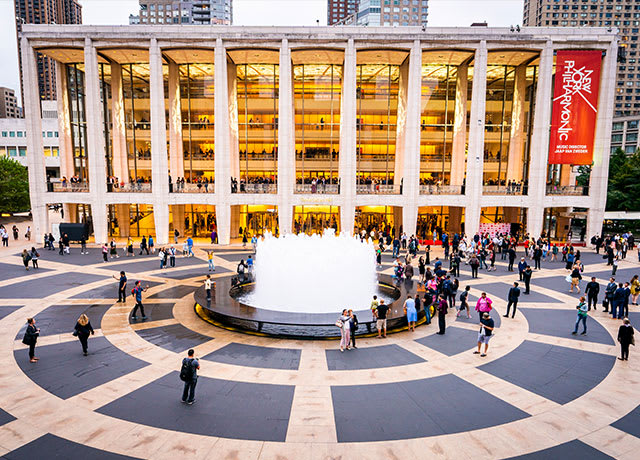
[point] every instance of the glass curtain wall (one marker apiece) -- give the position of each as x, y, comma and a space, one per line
258, 219
135, 87
257, 86
104, 71
377, 109
135, 220
197, 104
78, 121
317, 91
315, 219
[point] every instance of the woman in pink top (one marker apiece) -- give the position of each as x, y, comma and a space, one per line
483, 305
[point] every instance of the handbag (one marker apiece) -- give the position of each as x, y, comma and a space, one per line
568, 278
339, 324
75, 333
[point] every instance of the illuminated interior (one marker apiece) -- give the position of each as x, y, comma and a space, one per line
439, 219
315, 219
503, 215
255, 220
378, 219
196, 220
135, 220
78, 120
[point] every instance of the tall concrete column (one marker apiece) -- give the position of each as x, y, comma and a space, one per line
475, 157
411, 151
223, 219
347, 163
95, 143
222, 129
35, 156
515, 160
602, 143
159, 161
176, 157
65, 151
540, 143
286, 141
459, 143
119, 129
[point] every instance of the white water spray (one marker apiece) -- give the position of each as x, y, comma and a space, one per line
314, 274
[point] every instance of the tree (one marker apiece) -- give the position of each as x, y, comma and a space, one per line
14, 186
624, 187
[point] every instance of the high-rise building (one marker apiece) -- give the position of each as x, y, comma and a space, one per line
184, 12
45, 12
388, 13
9, 104
622, 14
337, 10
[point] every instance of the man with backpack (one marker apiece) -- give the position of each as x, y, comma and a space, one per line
189, 375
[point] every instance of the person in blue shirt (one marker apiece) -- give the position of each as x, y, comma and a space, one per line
151, 247
190, 246
250, 264
521, 266
137, 292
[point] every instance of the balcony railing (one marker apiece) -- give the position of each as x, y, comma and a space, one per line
254, 188
576, 190
68, 187
133, 187
208, 187
433, 189
318, 188
515, 189
378, 189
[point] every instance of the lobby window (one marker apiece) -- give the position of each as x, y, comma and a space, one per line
317, 91
197, 83
135, 87
77, 118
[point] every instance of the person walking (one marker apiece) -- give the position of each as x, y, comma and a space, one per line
151, 244
526, 277
105, 253
483, 305
176, 234
575, 278
635, 290
464, 302
487, 325
210, 260
30, 338
82, 330
381, 323
353, 327
474, 263
34, 257
137, 292
345, 329
190, 247
113, 250
582, 316
592, 290
83, 245
625, 338
130, 252
614, 267
512, 297
65, 241
608, 294
189, 375
442, 308
122, 286
143, 246
26, 258
411, 313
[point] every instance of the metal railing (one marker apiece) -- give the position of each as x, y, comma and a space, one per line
68, 187
432, 189
517, 189
378, 189
209, 187
256, 188
319, 188
133, 187
576, 190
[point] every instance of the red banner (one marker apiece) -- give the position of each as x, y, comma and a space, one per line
575, 107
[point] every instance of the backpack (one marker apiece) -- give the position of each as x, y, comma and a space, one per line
355, 322
186, 371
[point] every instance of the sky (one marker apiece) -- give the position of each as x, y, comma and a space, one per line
259, 12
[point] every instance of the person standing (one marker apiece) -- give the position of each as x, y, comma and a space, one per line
122, 286
635, 290
526, 277
82, 330
483, 305
65, 241
130, 252
163, 258
608, 294
26, 258
151, 244
83, 245
512, 258
210, 261
521, 266
614, 268
137, 292
28, 233
176, 234
474, 263
625, 302
105, 253
190, 247
189, 375
575, 278
411, 313
455, 265
143, 246
30, 338
537, 256
172, 257
582, 316
207, 287
353, 327
486, 332
625, 338
618, 302
381, 322
113, 251
345, 330
442, 308
592, 290
512, 297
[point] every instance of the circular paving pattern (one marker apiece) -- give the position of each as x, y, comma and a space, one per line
540, 393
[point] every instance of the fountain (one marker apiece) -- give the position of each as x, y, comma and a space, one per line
313, 274
300, 286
